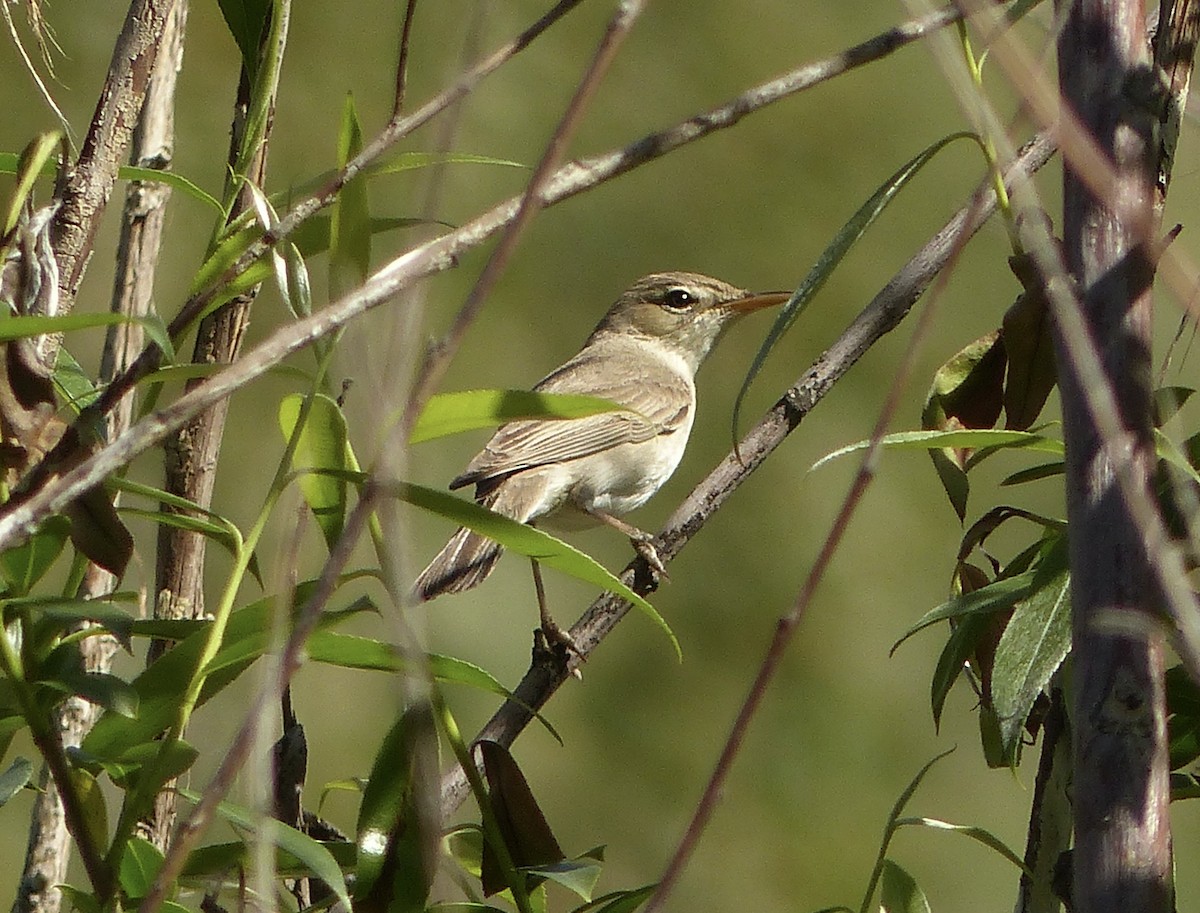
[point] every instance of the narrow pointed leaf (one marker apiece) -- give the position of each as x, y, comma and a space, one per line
321, 446
833, 255
1028, 337
926, 440
899, 892
35, 160
987, 838
18, 775
312, 854
522, 826
393, 835
1033, 646
350, 230
172, 179
452, 413
996, 596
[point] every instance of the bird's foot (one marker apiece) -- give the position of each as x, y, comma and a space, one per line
551, 640
648, 553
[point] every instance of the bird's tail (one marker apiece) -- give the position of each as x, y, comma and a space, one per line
467, 559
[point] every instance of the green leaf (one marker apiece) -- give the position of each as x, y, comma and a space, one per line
452, 413
576, 875
247, 20
350, 230
979, 834
19, 327
996, 596
958, 649
833, 255
351, 651
172, 179
139, 865
321, 446
233, 244
928, 440
1168, 401
10, 725
900, 892
312, 854
533, 543
81, 901
25, 565
165, 762
18, 775
1028, 337
218, 859
621, 901
74, 384
161, 686
966, 393
103, 689
1033, 646
409, 161
1036, 473
91, 803
396, 830
35, 160
313, 236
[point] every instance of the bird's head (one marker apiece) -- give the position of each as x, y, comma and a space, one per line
685, 312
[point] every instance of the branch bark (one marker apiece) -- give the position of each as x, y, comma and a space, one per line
1122, 857
90, 181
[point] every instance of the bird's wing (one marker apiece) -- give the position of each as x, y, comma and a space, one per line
659, 403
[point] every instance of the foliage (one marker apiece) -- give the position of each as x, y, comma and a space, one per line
1006, 621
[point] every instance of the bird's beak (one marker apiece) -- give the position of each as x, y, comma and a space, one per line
759, 300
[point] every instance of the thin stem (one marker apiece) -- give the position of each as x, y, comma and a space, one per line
402, 60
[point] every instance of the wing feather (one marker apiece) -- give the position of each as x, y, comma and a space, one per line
659, 402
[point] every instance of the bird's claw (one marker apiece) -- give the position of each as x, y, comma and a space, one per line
648, 553
553, 639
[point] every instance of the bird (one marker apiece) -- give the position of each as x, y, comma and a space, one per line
574, 473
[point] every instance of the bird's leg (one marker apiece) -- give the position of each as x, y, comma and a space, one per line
555, 636
643, 542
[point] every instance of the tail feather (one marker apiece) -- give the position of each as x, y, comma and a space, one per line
462, 563
467, 559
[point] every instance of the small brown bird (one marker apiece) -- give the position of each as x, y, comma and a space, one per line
577, 472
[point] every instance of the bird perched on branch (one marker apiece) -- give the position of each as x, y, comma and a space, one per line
579, 472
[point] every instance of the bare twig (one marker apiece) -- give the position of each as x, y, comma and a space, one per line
41, 498
91, 179
402, 60
883, 314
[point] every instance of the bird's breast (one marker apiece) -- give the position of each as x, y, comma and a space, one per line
620, 479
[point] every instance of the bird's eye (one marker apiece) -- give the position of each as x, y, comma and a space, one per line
679, 298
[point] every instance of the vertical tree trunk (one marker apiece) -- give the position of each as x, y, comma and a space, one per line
1122, 832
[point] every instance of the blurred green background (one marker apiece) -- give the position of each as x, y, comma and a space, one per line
845, 725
